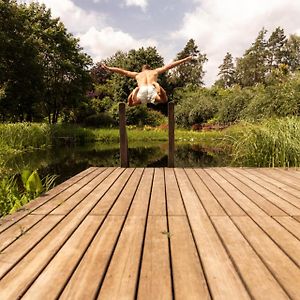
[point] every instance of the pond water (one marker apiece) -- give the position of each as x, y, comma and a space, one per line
67, 161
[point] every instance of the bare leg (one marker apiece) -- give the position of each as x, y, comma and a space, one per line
132, 99
161, 94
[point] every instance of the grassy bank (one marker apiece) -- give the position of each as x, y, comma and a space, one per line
273, 142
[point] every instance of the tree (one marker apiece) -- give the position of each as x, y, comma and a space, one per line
252, 67
191, 73
293, 52
227, 72
42, 65
276, 49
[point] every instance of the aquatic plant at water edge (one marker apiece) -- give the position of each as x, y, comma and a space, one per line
272, 143
17, 190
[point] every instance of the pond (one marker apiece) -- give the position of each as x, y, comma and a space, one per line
66, 161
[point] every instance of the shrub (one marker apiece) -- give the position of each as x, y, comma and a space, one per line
233, 102
139, 115
197, 106
100, 120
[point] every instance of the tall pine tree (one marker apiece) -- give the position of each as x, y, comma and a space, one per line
252, 67
192, 72
227, 72
276, 49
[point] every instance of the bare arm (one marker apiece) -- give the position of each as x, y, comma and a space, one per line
173, 65
120, 71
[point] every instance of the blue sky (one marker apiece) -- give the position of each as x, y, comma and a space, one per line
218, 26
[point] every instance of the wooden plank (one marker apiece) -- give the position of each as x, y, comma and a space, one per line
275, 187
122, 275
282, 268
225, 201
124, 200
105, 180
289, 172
17, 230
211, 205
155, 276
91, 270
258, 279
109, 198
285, 179
297, 218
290, 224
36, 260
276, 200
285, 240
158, 194
53, 278
139, 206
255, 197
187, 189
16, 251
171, 135
188, 277
9, 220
222, 278
244, 202
123, 136
173, 196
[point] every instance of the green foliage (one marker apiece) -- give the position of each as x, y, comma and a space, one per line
191, 73
195, 106
42, 67
139, 115
16, 191
100, 120
227, 72
277, 100
272, 143
23, 136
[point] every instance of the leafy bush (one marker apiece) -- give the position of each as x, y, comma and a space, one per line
139, 115
233, 102
196, 106
100, 120
278, 100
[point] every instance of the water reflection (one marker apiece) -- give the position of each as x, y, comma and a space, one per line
68, 161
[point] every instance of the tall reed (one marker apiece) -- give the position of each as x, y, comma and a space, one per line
272, 143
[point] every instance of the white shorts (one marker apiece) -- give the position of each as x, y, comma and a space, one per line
147, 94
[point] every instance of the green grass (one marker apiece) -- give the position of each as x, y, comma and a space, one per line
271, 143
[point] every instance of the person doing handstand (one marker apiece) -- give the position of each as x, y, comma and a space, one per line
148, 90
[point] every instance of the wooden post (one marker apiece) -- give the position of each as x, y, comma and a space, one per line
171, 128
123, 136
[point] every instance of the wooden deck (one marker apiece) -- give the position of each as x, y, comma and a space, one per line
115, 233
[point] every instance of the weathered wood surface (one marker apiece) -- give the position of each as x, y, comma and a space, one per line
157, 233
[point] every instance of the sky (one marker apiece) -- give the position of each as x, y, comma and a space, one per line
218, 26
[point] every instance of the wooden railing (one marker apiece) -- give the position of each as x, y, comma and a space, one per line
124, 157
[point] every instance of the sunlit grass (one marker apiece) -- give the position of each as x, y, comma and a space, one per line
272, 143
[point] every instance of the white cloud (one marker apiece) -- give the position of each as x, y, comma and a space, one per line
219, 26
75, 18
105, 42
96, 37
141, 3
